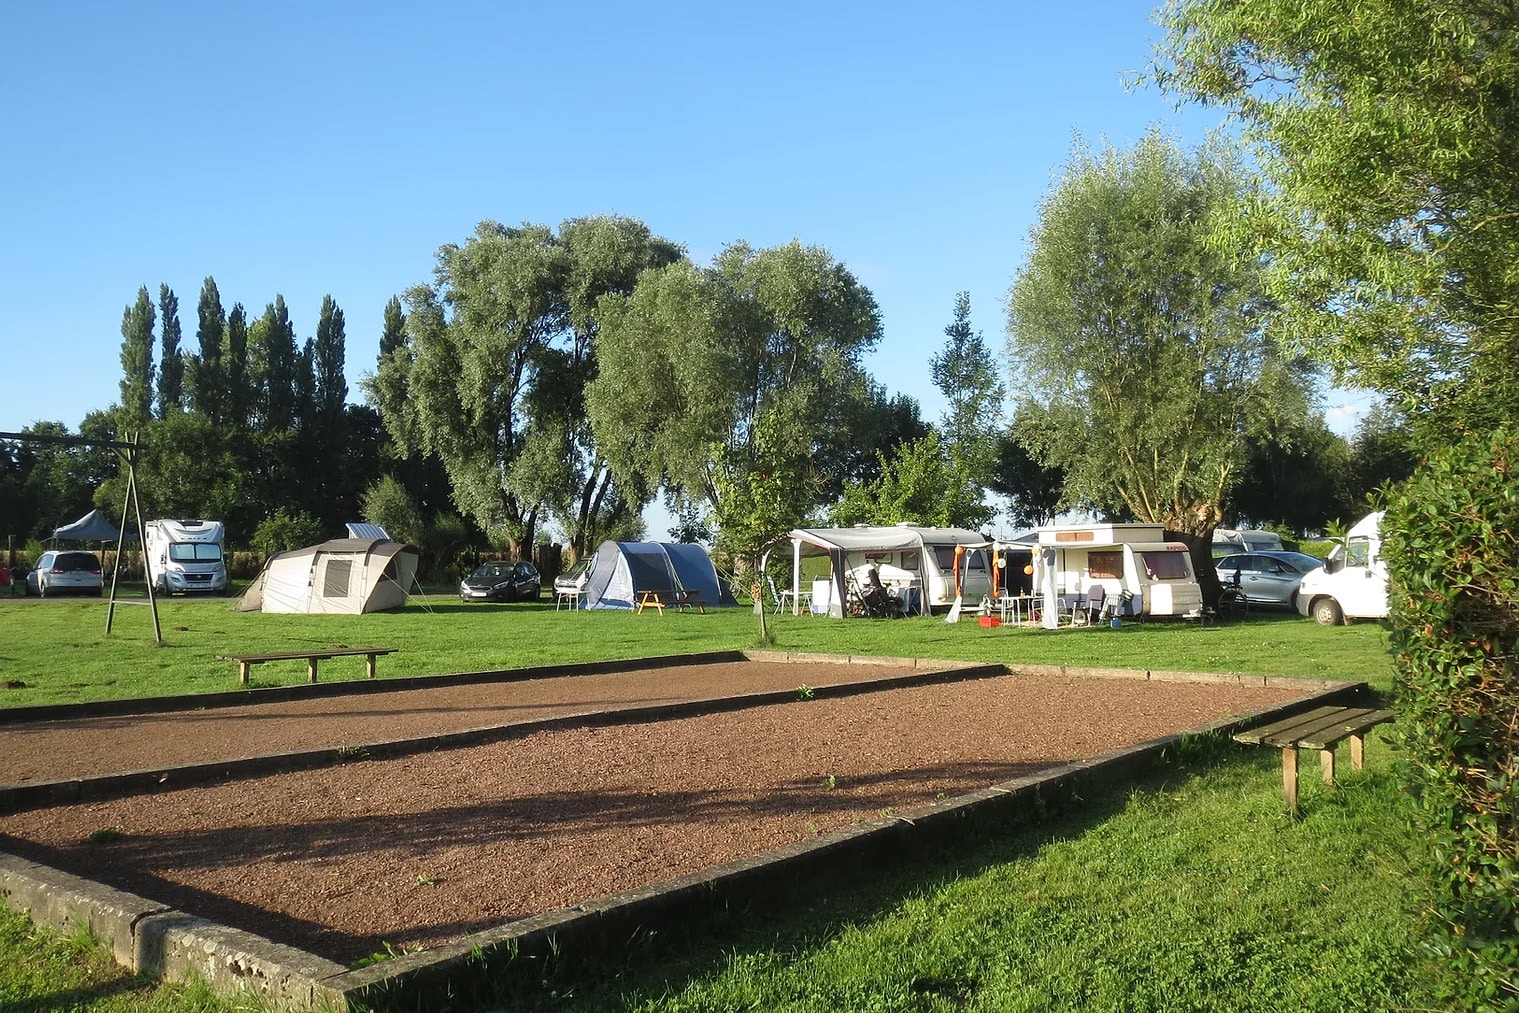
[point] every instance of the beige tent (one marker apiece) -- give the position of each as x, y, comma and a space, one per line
345, 575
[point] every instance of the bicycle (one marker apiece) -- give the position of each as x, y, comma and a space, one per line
1232, 603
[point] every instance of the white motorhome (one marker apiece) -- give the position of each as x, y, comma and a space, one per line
1352, 583
1134, 559
185, 556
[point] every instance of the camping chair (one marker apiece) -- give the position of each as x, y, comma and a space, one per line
783, 599
1096, 594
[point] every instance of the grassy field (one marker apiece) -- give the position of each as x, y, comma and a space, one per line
1189, 890
58, 650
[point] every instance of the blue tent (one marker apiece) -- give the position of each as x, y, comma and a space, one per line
622, 569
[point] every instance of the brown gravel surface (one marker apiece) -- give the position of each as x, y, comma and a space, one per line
85, 747
419, 849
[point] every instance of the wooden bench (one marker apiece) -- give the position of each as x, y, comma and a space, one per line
245, 661
676, 599
1322, 728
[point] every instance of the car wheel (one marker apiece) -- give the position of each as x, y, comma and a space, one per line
1326, 612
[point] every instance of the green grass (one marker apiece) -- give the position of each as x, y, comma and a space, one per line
42, 971
59, 652
1189, 890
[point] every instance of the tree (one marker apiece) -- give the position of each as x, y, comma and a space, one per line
171, 367
239, 399
1391, 145
490, 376
719, 382
1383, 451
205, 374
1145, 366
137, 361
1033, 490
1295, 476
927, 483
968, 377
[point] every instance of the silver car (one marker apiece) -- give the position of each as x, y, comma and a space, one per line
1267, 578
65, 572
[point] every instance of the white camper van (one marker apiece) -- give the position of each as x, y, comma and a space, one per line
1352, 583
1069, 560
185, 556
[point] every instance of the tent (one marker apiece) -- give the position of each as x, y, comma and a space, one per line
622, 569
346, 575
92, 527
923, 557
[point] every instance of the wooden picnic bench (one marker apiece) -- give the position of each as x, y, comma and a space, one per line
245, 661
676, 599
1322, 728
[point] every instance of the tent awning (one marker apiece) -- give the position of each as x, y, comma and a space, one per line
92, 527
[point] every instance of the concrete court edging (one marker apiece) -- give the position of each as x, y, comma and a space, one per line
153, 938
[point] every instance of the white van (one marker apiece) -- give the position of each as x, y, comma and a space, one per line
1352, 583
185, 556
1136, 559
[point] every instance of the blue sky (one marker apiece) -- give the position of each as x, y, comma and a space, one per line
330, 148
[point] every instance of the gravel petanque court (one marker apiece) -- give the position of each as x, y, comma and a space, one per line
415, 850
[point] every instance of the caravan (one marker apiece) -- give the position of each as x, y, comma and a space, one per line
1352, 584
185, 556
1124, 559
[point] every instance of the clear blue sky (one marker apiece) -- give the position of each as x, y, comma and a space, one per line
330, 148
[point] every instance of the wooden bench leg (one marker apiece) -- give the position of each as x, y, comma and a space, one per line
1358, 752
1326, 765
242, 672
370, 668
1289, 778
311, 669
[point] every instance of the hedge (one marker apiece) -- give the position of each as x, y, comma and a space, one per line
1451, 543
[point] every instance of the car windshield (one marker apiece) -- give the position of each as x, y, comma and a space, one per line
195, 552
76, 561
493, 570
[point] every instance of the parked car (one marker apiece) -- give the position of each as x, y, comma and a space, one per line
65, 572
1267, 578
502, 582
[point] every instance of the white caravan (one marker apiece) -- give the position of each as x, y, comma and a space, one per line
1352, 583
1070, 560
186, 556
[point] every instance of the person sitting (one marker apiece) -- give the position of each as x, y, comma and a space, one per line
877, 599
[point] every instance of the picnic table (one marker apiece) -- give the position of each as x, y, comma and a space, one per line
676, 598
1322, 728
245, 661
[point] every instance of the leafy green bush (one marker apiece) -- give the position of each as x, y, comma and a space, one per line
282, 531
1451, 539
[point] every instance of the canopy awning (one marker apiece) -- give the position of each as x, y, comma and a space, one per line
92, 527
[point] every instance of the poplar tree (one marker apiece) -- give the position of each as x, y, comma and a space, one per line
137, 361
171, 367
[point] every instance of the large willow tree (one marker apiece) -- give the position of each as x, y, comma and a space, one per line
1137, 342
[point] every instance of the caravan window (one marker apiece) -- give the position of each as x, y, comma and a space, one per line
974, 560
1105, 564
335, 578
1166, 565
